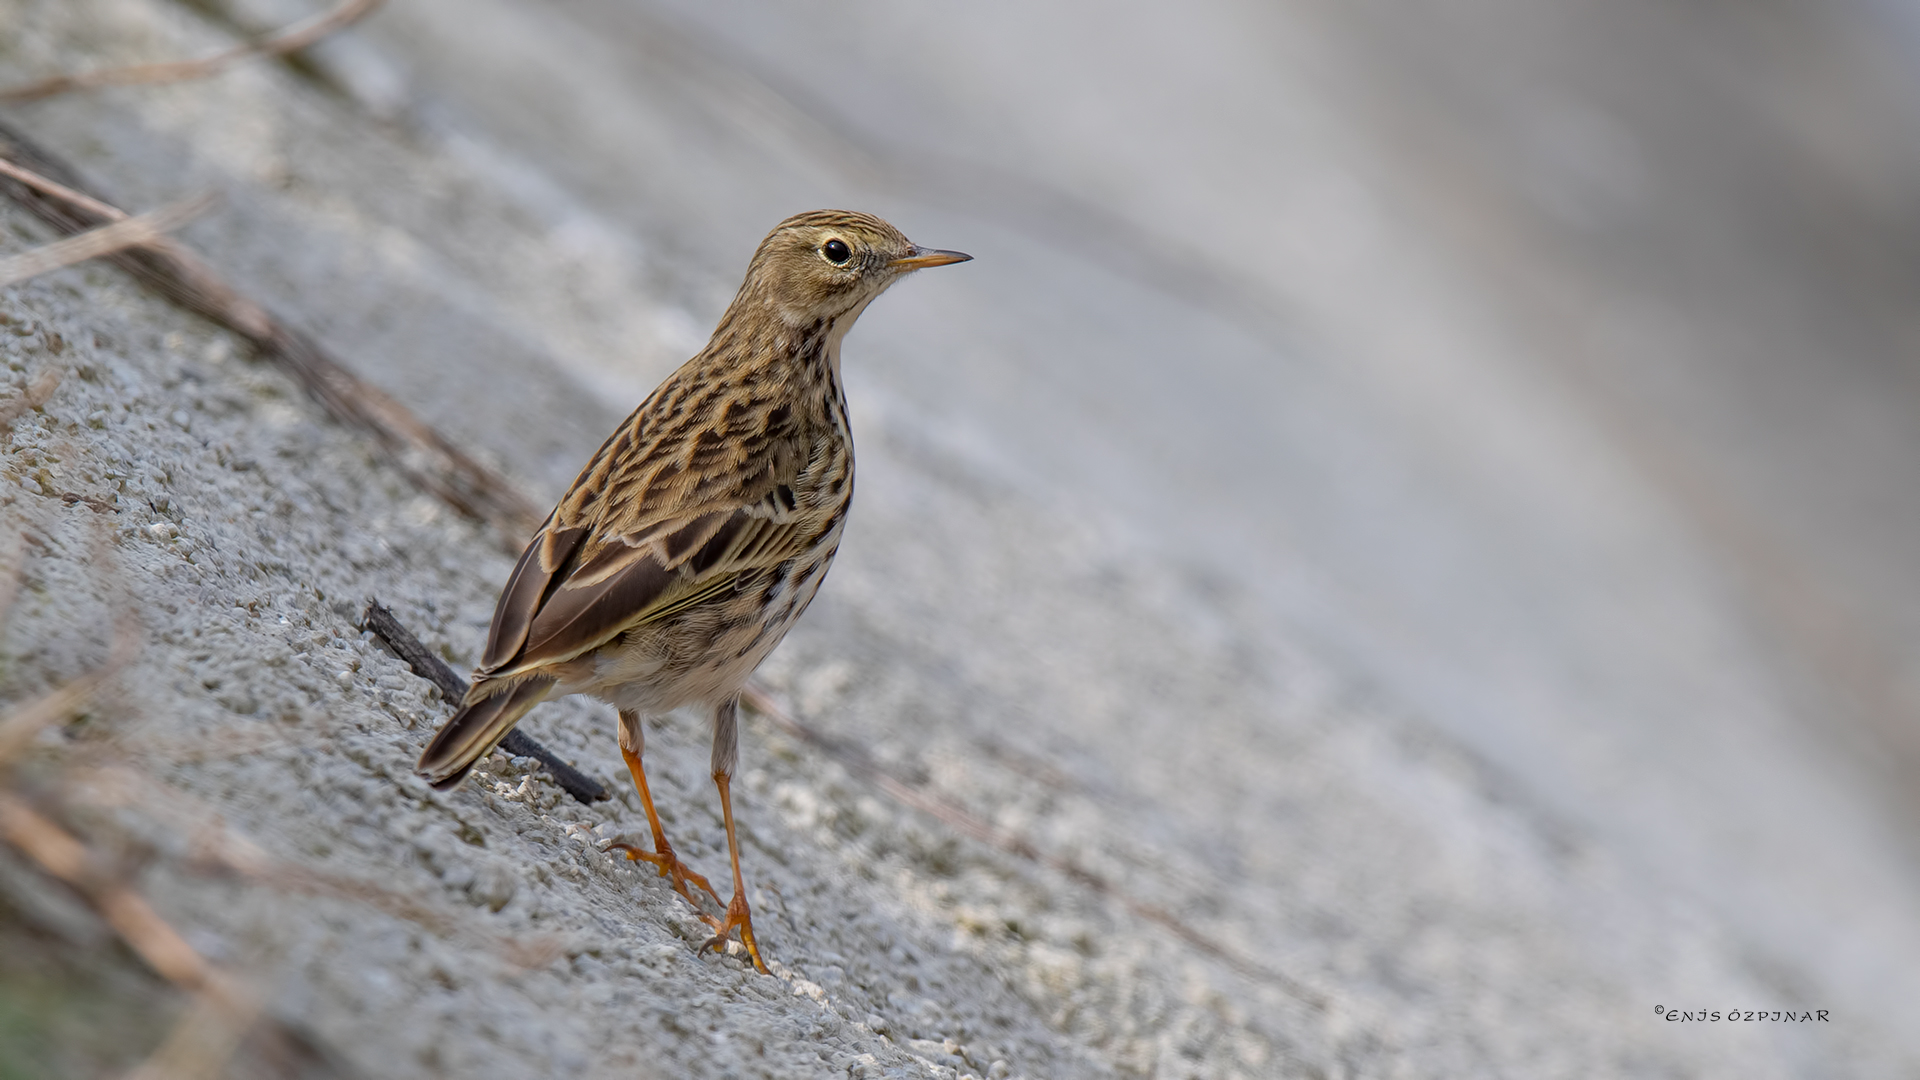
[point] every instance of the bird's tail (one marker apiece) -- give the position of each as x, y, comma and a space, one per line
475, 730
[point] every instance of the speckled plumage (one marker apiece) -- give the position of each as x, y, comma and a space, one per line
703, 526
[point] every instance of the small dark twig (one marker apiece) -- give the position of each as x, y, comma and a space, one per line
409, 648
435, 670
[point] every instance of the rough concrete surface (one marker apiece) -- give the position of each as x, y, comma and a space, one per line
1361, 647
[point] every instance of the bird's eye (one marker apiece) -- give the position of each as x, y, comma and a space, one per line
837, 252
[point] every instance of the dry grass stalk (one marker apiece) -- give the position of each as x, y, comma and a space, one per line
202, 1042
41, 184
105, 240
21, 723
224, 1007
62, 855
218, 850
77, 199
290, 39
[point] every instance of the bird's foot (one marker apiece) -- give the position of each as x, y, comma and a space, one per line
737, 915
670, 867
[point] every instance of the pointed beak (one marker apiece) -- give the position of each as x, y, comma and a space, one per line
925, 257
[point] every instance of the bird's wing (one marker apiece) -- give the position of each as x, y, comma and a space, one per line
579, 585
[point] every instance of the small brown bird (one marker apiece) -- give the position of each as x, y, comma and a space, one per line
699, 531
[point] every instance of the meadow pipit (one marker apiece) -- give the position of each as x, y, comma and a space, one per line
699, 531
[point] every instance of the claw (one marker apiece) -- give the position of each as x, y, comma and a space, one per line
670, 867
669, 864
737, 915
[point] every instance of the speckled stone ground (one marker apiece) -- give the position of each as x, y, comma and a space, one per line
1384, 900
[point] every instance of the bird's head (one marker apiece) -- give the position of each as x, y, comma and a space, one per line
831, 263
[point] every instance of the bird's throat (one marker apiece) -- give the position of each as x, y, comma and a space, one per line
837, 333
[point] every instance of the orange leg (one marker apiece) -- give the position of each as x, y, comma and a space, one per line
737, 913
662, 856
726, 752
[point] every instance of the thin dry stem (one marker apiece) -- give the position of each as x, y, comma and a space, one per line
290, 39
412, 445
203, 1041
60, 854
119, 235
224, 1007
78, 199
217, 849
19, 725
168, 264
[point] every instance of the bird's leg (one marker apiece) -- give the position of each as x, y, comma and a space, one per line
726, 747
632, 743
737, 912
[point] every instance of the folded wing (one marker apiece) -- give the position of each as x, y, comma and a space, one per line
573, 592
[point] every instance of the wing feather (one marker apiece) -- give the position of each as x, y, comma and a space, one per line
608, 587
660, 539
534, 577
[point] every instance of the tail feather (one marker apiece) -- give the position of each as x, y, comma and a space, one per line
475, 730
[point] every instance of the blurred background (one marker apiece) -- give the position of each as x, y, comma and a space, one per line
1549, 370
